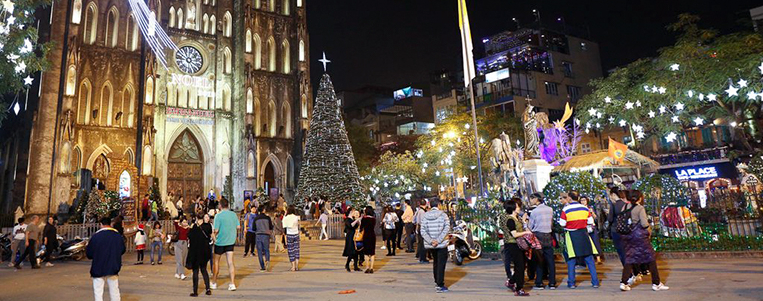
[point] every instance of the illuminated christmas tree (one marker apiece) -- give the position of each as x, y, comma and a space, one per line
328, 167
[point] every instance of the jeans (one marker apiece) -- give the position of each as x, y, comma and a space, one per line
548, 266
518, 259
249, 242
263, 248
29, 251
628, 272
204, 274
154, 216
618, 246
506, 260
157, 245
409, 236
181, 250
591, 269
391, 241
113, 282
399, 234
440, 258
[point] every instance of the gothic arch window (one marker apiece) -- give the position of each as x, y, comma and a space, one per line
147, 160
257, 117
303, 102
76, 158
71, 81
226, 98
301, 50
206, 2
257, 4
77, 11
248, 41
212, 24
128, 106
149, 90
257, 52
272, 5
249, 101
271, 55
227, 61
84, 102
214, 2
286, 7
286, 56
290, 172
106, 104
299, 3
91, 23
112, 27
65, 158
172, 16
180, 21
129, 156
205, 21
250, 165
286, 115
101, 168
272, 118
131, 43
227, 24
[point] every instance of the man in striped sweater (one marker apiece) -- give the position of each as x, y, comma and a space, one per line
577, 243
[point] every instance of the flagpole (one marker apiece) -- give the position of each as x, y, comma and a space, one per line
466, 48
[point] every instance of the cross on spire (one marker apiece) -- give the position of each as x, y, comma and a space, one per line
325, 61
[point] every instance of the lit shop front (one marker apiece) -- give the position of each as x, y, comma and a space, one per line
705, 179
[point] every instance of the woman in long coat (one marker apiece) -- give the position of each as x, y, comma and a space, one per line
350, 228
368, 225
199, 253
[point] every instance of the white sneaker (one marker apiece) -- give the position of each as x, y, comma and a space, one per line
632, 280
213, 285
231, 287
177, 276
660, 287
624, 287
48, 264
383, 248
182, 277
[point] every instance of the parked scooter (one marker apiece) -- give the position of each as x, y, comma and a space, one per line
5, 247
74, 249
463, 244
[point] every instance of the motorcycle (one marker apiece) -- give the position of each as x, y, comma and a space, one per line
462, 244
74, 249
5, 247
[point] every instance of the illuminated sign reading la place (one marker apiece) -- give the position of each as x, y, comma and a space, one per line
697, 173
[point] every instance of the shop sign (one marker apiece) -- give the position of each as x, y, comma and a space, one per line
696, 173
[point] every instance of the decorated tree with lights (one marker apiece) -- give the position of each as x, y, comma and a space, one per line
401, 176
662, 190
583, 182
328, 166
20, 54
704, 78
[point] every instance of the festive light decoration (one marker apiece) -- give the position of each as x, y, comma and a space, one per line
699, 121
152, 32
671, 137
731, 91
328, 168
674, 67
583, 182
665, 188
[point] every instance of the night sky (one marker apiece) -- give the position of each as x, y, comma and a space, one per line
396, 43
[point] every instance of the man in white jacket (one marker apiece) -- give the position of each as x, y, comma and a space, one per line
435, 226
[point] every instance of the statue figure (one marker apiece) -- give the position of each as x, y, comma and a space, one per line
530, 124
190, 19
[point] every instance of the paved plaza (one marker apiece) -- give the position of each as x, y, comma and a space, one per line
397, 278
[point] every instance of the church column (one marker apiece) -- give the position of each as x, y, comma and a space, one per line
238, 131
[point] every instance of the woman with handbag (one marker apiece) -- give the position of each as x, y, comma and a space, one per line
350, 229
199, 253
368, 225
637, 246
513, 230
291, 225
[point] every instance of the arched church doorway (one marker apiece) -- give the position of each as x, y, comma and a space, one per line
185, 168
269, 178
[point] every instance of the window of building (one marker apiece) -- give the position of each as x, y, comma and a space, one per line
286, 57
71, 81
249, 101
227, 68
91, 23
301, 51
271, 5
286, 115
567, 68
172, 17
271, 55
180, 21
205, 22
149, 90
299, 3
212, 24
131, 42
112, 27
552, 88
286, 7
257, 52
228, 24
585, 147
248, 41
574, 93
257, 4
77, 11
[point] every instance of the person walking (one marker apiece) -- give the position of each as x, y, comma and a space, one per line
278, 232
140, 243
290, 223
181, 246
637, 246
435, 226
49, 239
368, 226
421, 253
18, 241
616, 204
390, 220
30, 243
399, 225
250, 234
105, 249
180, 205
410, 228
350, 228
226, 226
199, 253
157, 241
154, 211
323, 220
540, 224
575, 219
593, 230
512, 229
263, 227
144, 206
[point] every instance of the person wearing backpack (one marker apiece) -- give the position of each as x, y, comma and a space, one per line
636, 244
616, 204
575, 219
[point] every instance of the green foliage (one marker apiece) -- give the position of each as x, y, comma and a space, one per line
363, 147
708, 64
399, 174
76, 218
228, 189
662, 189
155, 194
755, 167
99, 206
583, 182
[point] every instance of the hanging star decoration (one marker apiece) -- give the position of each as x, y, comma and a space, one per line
732, 91
752, 95
651, 114
742, 83
325, 61
662, 90
638, 103
679, 106
592, 111
711, 97
761, 68
607, 99
28, 81
628, 105
663, 109
622, 122
8, 6
699, 121
671, 137
674, 67
675, 118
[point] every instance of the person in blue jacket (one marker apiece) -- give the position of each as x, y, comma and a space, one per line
105, 249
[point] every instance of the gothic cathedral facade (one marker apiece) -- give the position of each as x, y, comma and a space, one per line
233, 100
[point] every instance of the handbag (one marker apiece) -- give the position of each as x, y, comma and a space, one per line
358, 239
